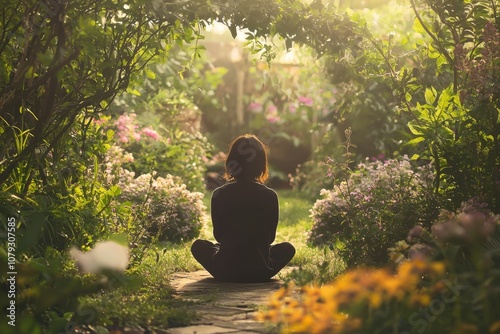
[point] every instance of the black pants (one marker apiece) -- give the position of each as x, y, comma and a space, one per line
279, 255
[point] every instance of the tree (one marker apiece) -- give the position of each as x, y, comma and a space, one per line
64, 62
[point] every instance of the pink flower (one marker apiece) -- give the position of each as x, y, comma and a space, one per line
305, 101
272, 109
150, 133
255, 107
99, 121
273, 118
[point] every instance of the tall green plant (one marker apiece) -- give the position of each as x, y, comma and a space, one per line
457, 123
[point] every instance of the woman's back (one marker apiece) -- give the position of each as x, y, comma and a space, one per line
244, 213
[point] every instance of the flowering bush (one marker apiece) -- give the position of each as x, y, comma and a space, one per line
447, 282
171, 212
468, 241
179, 153
373, 208
158, 206
466, 236
360, 301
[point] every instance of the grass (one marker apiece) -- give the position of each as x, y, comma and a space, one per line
153, 304
314, 264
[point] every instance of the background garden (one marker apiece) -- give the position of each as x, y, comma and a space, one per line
382, 122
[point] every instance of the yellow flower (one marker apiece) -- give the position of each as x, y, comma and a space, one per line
305, 325
393, 287
270, 315
495, 327
437, 287
438, 268
283, 291
421, 299
375, 299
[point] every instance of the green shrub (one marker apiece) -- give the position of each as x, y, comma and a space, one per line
372, 209
170, 211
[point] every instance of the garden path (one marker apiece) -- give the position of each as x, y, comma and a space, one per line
222, 307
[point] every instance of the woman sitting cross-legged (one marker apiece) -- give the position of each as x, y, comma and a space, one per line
245, 216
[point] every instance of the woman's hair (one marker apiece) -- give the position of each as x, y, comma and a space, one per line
247, 160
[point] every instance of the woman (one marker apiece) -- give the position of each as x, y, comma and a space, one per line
245, 216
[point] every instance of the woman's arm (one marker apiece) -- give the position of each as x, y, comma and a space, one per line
274, 212
216, 216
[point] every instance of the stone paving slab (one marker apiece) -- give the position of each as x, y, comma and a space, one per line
222, 307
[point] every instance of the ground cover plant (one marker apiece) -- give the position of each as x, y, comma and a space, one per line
313, 264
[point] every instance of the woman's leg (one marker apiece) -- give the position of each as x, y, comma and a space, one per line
204, 251
280, 255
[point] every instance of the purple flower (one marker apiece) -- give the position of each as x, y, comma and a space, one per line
420, 251
415, 233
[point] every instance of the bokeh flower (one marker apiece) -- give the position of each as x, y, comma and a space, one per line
343, 305
106, 255
307, 101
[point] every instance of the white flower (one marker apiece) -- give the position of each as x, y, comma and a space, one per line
104, 255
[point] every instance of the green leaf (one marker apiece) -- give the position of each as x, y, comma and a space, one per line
440, 61
415, 141
133, 91
417, 27
150, 74
110, 134
430, 95
415, 129
114, 191
408, 97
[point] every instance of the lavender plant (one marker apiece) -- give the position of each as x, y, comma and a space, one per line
373, 208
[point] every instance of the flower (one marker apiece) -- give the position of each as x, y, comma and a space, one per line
148, 131
420, 251
104, 255
473, 222
334, 307
415, 233
273, 118
272, 109
307, 101
255, 107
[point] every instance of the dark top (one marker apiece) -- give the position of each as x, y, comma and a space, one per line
245, 217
